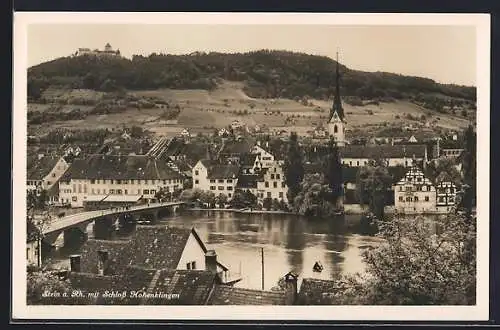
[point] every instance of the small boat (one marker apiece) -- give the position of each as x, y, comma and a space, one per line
318, 267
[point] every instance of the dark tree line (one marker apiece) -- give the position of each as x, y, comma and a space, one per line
266, 74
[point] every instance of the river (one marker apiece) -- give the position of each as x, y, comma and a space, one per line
289, 243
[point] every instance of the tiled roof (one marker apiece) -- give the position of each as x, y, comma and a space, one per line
248, 159
192, 286
131, 279
228, 295
159, 247
317, 292
37, 169
223, 171
246, 181
116, 253
236, 147
383, 151
120, 167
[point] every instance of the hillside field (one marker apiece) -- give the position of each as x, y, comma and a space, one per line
203, 111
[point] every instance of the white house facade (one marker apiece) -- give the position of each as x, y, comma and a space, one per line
215, 177
415, 193
272, 185
120, 179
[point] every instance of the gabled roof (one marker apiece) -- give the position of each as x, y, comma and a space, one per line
317, 292
248, 181
223, 172
120, 168
37, 169
159, 247
192, 287
248, 159
415, 176
236, 147
229, 295
383, 151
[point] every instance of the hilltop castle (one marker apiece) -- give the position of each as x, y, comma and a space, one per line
108, 51
336, 121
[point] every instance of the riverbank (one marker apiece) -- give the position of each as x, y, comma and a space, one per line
242, 211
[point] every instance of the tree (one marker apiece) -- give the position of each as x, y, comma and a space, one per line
40, 281
314, 198
267, 203
293, 167
333, 172
242, 199
372, 184
208, 197
221, 200
419, 262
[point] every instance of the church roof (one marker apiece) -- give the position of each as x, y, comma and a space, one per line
337, 102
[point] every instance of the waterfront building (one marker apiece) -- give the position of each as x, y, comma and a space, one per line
415, 193
446, 195
393, 155
272, 184
43, 172
102, 179
209, 175
265, 157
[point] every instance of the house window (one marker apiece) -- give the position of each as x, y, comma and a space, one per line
282, 185
74, 199
125, 181
126, 192
272, 176
98, 191
212, 187
441, 199
221, 181
191, 265
277, 176
426, 198
401, 199
196, 172
53, 175
111, 181
408, 188
400, 188
229, 181
152, 192
111, 191
132, 181
268, 194
196, 181
335, 129
145, 191
275, 184
229, 195
267, 184
212, 181
229, 188
92, 181
357, 163
221, 188
415, 199
408, 199
118, 191
281, 194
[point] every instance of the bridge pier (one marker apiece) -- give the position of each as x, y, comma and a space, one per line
104, 228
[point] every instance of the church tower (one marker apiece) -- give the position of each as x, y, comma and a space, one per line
336, 121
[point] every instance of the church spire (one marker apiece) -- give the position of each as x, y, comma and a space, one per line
337, 103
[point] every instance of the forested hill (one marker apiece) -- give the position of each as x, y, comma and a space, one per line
265, 74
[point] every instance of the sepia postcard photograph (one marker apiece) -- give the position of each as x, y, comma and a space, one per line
250, 166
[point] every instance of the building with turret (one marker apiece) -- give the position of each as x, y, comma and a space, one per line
336, 121
108, 51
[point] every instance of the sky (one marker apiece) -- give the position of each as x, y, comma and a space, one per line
446, 54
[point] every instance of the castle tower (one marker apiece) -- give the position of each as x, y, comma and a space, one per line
108, 48
336, 121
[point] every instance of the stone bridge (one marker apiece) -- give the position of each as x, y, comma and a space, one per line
101, 222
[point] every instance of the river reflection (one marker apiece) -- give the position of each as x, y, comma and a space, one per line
290, 243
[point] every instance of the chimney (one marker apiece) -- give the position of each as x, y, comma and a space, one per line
102, 262
291, 288
211, 261
75, 263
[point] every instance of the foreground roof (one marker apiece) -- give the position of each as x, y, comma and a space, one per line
228, 295
317, 292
